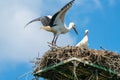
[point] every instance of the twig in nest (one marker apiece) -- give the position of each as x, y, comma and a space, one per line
91, 76
74, 69
96, 74
103, 48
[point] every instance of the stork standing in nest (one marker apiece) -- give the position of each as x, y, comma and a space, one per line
55, 23
84, 42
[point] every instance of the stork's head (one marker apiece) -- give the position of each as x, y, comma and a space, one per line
72, 24
86, 32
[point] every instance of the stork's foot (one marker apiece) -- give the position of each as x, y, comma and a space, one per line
52, 45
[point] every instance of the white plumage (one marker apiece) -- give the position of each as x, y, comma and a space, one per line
84, 42
55, 23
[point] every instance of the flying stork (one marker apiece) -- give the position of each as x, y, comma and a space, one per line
55, 23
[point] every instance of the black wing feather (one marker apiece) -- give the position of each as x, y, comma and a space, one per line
55, 15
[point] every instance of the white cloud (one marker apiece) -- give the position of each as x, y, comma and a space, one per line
89, 5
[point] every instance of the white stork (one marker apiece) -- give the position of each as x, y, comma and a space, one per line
84, 42
55, 23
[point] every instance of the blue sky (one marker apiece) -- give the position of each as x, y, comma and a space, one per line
18, 46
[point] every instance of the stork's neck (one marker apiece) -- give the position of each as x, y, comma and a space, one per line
69, 27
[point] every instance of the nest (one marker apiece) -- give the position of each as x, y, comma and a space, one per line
104, 58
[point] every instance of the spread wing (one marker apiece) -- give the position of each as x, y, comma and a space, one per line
61, 13
45, 20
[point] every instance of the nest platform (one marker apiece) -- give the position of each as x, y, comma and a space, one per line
74, 63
